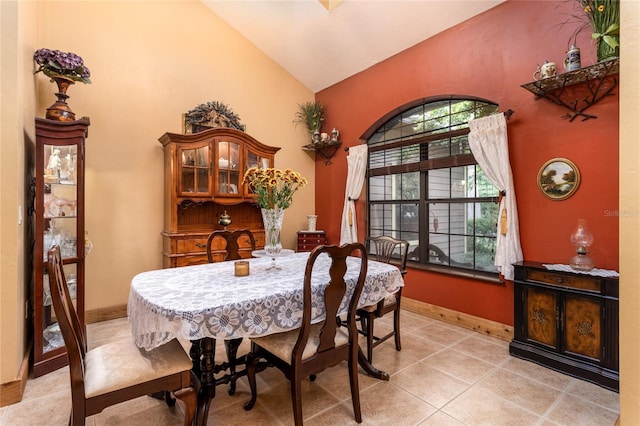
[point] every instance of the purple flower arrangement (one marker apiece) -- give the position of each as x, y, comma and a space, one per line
55, 63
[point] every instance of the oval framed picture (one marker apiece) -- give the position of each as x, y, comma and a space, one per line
558, 178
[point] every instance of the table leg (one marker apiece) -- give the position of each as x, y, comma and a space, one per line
369, 368
364, 361
207, 387
195, 353
231, 347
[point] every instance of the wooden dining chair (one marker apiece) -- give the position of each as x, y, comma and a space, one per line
232, 250
384, 249
233, 246
117, 371
311, 348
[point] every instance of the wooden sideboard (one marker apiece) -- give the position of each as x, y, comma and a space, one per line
567, 321
202, 181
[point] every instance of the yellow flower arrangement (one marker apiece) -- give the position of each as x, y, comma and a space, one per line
274, 187
604, 18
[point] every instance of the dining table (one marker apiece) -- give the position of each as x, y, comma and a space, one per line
209, 302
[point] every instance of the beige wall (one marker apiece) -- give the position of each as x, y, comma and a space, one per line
629, 214
17, 105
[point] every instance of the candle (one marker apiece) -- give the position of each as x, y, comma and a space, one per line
241, 268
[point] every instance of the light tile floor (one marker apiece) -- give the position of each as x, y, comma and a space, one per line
444, 375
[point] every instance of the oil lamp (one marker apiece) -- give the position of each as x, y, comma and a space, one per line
582, 240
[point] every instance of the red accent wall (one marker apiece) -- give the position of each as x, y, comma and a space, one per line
490, 56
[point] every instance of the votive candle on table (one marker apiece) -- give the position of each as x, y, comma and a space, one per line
241, 268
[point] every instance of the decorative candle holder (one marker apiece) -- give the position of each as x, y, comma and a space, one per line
241, 268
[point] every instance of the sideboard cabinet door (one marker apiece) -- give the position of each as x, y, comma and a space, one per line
542, 327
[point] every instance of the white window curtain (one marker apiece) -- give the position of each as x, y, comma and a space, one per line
356, 170
488, 142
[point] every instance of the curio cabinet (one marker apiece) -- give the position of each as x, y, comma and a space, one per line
58, 219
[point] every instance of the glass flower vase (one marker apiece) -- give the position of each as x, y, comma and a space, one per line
605, 52
272, 219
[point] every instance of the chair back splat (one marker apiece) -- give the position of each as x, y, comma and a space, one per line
116, 371
385, 247
233, 246
314, 347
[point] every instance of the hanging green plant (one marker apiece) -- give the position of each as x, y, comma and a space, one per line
312, 115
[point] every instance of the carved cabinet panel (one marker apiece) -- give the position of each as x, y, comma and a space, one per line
582, 326
567, 321
541, 314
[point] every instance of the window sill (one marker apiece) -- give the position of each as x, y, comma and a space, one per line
490, 277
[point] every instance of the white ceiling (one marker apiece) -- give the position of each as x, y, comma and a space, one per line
321, 48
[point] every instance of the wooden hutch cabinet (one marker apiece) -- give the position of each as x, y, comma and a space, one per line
567, 321
203, 180
58, 219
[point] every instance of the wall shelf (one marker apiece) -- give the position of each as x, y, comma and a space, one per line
567, 89
325, 149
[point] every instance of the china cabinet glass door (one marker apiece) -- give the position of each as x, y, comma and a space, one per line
228, 170
195, 166
60, 228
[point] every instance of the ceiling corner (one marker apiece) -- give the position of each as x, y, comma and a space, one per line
330, 4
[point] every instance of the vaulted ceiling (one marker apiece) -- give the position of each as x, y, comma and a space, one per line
323, 42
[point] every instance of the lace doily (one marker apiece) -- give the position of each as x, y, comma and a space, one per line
595, 271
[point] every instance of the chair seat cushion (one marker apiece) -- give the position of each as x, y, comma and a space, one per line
388, 301
281, 344
121, 364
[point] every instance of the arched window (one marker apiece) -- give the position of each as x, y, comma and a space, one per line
425, 186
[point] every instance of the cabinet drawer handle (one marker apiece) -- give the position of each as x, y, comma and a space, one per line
201, 245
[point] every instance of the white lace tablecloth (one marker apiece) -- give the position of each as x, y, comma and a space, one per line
194, 302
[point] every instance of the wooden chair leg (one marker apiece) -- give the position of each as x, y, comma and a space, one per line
189, 397
396, 328
252, 360
370, 322
78, 413
169, 399
355, 388
296, 399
